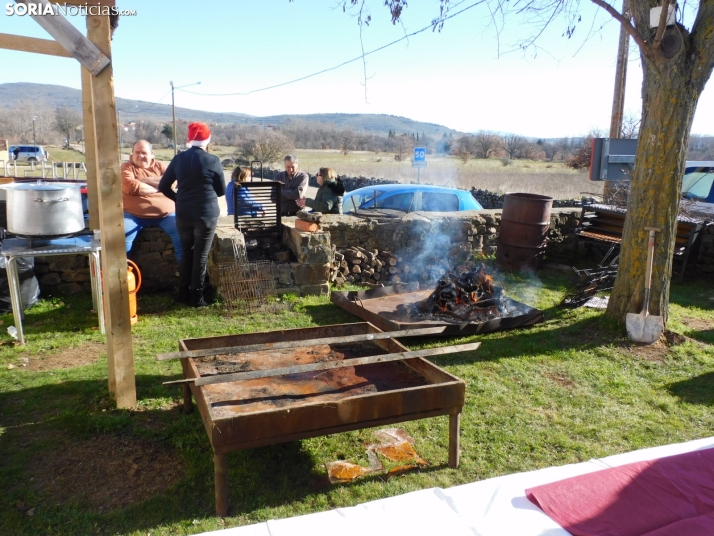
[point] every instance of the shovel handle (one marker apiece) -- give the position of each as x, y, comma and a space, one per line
650, 261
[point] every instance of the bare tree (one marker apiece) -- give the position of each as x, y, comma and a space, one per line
405, 145
485, 144
630, 126
347, 141
513, 145
66, 120
268, 146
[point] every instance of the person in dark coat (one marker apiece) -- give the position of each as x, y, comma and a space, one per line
200, 182
328, 198
294, 186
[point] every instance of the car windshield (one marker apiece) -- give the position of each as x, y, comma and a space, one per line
355, 200
698, 184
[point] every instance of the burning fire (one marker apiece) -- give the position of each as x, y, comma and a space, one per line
469, 295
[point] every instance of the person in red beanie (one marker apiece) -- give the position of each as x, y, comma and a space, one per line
200, 182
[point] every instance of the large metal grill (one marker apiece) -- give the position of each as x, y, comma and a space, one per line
257, 210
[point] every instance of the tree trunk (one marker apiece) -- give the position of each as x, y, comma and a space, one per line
670, 92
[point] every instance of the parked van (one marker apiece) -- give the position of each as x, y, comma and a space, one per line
27, 153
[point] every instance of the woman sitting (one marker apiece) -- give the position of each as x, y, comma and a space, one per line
247, 205
328, 199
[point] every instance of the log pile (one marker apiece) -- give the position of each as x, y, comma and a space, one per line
373, 267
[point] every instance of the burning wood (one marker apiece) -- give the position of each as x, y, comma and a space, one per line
469, 296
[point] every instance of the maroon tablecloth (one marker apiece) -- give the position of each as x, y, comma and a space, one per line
672, 496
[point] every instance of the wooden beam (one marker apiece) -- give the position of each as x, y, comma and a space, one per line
90, 148
301, 344
32, 44
328, 365
111, 223
81, 48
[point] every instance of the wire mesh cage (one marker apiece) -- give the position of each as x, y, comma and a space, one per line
247, 287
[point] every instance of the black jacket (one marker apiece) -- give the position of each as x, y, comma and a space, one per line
328, 199
200, 181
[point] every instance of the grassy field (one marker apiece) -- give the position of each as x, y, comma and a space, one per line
528, 176
546, 178
563, 391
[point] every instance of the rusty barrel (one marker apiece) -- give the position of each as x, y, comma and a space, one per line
522, 234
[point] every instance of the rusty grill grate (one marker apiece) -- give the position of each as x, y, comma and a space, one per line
247, 287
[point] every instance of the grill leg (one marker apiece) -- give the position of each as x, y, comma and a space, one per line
187, 404
454, 429
220, 469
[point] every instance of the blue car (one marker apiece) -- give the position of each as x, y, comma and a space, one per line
409, 198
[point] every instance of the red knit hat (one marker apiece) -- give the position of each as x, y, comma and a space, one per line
198, 132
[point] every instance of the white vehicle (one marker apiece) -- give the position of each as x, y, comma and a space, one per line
27, 153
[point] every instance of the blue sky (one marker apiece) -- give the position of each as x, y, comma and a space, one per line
467, 77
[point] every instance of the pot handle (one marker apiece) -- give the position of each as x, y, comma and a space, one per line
39, 200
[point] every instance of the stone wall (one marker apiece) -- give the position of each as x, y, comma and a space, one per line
419, 237
426, 237
303, 270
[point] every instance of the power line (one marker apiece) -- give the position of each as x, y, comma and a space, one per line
431, 25
148, 107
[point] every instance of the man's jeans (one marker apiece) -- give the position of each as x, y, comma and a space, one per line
134, 224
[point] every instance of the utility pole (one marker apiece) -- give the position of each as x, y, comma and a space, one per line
173, 107
618, 97
34, 138
173, 112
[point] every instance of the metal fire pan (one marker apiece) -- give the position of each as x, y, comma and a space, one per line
379, 306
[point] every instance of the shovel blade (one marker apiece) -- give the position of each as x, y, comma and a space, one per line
644, 328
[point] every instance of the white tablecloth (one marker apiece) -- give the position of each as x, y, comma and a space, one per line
493, 507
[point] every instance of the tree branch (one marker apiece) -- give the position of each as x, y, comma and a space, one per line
662, 24
645, 47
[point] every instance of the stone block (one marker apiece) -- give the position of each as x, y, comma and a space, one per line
318, 254
51, 279
281, 291
310, 274
285, 274
315, 290
68, 288
282, 256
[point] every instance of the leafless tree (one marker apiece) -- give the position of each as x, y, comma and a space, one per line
347, 141
630, 126
513, 144
405, 145
485, 143
268, 146
66, 120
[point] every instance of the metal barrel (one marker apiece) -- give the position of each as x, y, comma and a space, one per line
523, 230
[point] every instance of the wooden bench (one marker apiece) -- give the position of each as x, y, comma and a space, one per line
605, 223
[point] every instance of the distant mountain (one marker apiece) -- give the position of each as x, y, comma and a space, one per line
53, 96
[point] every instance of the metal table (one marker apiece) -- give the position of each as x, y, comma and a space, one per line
12, 248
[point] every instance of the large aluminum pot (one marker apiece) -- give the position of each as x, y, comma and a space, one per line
44, 208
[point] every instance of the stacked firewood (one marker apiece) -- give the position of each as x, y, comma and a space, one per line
360, 265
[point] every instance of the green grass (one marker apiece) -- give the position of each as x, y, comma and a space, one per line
563, 391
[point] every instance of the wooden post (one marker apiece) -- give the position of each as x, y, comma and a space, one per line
220, 470
90, 148
111, 224
454, 430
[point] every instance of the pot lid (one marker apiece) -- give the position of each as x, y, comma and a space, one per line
39, 186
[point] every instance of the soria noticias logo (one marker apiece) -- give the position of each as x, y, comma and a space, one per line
30, 8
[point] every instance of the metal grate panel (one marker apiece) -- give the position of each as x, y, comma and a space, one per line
257, 210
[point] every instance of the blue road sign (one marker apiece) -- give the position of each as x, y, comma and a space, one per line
419, 154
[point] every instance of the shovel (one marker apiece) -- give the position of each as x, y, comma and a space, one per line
643, 327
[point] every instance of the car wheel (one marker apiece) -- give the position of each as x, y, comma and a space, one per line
32, 159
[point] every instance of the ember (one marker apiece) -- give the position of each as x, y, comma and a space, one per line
469, 295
